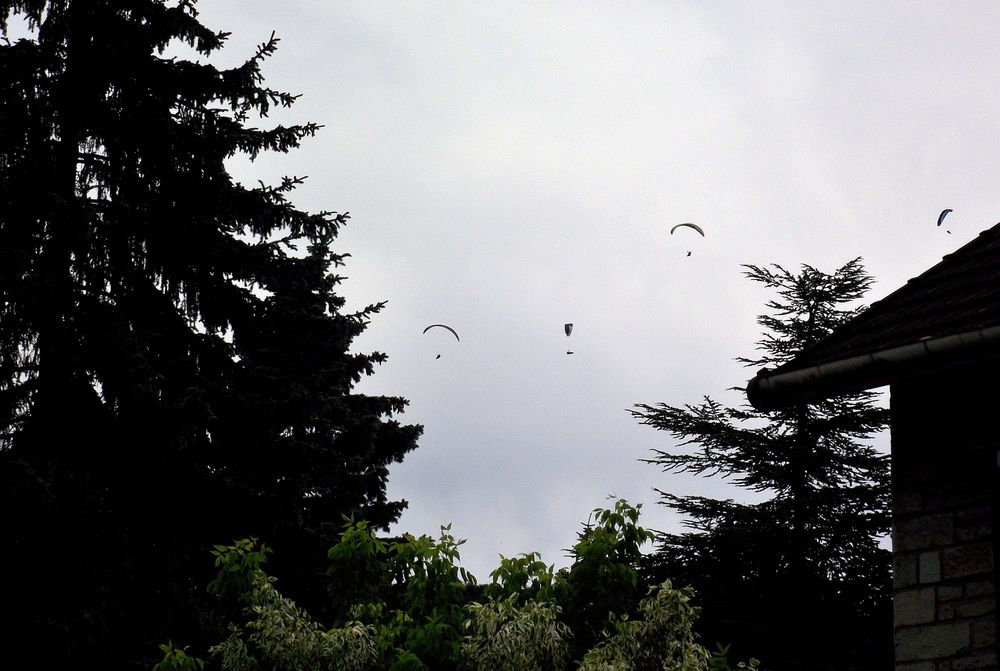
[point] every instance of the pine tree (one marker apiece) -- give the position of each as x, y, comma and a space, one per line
175, 364
796, 577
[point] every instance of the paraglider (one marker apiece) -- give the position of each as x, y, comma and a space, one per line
688, 225
568, 328
944, 213
694, 226
444, 326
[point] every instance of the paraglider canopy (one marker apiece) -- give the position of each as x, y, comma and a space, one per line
444, 326
568, 328
694, 226
944, 213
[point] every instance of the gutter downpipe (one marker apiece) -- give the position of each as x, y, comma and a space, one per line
772, 390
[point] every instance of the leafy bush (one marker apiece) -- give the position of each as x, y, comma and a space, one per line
407, 605
274, 633
661, 639
504, 636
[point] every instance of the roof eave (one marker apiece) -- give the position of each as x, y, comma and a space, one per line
770, 391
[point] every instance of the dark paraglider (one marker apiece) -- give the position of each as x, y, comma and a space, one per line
944, 213
443, 326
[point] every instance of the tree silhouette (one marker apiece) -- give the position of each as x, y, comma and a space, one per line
175, 364
797, 579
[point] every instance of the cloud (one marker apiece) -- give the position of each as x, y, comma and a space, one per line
509, 169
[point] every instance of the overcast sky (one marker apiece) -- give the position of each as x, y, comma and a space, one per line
510, 167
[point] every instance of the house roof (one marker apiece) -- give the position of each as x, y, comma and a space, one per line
954, 306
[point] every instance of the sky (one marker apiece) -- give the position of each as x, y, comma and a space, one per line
511, 167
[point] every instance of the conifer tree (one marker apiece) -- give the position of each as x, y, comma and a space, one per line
795, 576
175, 364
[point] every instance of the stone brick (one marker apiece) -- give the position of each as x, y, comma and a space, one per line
984, 632
976, 662
929, 564
973, 532
949, 592
974, 514
974, 524
975, 607
932, 641
916, 666
967, 560
946, 610
968, 496
904, 570
923, 532
979, 587
914, 606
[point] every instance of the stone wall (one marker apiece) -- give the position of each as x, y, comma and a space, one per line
944, 459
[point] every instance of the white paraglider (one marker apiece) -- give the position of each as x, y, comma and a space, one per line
695, 227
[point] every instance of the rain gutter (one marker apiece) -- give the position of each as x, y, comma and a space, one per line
771, 390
